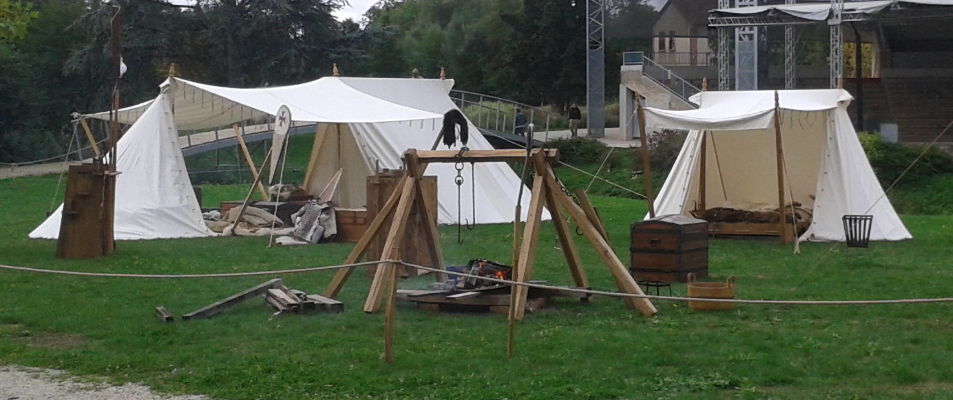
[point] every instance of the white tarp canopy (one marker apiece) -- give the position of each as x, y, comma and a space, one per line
154, 197
825, 167
821, 11
376, 120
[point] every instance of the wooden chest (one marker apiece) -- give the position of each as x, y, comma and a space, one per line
413, 248
666, 249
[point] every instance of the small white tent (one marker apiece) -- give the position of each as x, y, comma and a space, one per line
825, 168
373, 122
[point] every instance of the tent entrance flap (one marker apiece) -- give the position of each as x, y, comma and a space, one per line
335, 148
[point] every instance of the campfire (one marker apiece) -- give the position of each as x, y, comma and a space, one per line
485, 268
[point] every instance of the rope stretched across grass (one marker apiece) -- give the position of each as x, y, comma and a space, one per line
488, 279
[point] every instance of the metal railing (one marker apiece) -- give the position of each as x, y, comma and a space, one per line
499, 114
665, 78
685, 59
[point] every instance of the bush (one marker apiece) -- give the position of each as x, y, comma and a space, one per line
890, 160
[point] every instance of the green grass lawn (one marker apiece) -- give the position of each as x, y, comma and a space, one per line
601, 350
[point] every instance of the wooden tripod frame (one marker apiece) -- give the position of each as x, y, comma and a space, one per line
546, 191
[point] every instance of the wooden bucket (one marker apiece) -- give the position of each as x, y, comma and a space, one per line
710, 290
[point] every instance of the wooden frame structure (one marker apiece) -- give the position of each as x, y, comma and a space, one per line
547, 193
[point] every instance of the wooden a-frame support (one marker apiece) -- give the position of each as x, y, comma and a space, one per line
546, 192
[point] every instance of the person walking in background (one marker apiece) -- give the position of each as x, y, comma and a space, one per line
574, 118
519, 123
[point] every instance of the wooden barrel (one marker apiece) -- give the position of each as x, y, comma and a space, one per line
710, 290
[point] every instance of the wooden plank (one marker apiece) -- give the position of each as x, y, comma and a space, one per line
325, 304
646, 164
592, 214
429, 225
464, 294
619, 272
453, 156
391, 314
408, 293
219, 306
284, 298
251, 163
394, 236
315, 151
566, 243
530, 238
344, 273
164, 315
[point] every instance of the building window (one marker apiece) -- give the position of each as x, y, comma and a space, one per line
671, 41
661, 41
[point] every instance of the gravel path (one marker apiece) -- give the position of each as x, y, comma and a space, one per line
45, 384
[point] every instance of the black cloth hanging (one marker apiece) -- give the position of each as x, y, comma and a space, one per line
451, 119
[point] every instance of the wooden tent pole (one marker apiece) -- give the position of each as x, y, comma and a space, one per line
703, 173
782, 224
646, 164
248, 159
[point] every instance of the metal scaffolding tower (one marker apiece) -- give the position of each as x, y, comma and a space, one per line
790, 55
595, 69
723, 75
837, 41
746, 53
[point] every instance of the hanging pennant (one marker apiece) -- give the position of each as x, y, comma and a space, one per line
282, 124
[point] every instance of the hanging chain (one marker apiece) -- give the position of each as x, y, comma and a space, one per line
459, 181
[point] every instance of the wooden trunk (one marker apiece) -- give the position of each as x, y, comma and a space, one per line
352, 223
413, 248
83, 228
667, 249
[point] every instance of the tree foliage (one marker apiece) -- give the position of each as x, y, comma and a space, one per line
14, 19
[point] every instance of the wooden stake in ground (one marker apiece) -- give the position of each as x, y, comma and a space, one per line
646, 164
782, 223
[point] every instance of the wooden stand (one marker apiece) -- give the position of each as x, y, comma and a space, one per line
86, 225
546, 192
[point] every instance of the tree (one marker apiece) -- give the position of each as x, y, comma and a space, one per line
14, 19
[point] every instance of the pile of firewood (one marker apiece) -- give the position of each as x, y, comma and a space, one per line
284, 300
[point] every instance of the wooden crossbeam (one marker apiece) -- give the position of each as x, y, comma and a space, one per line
471, 156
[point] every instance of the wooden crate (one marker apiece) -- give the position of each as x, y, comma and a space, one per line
667, 249
414, 247
352, 223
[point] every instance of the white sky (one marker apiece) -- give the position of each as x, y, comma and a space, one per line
355, 11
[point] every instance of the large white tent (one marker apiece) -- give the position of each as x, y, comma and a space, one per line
825, 168
372, 121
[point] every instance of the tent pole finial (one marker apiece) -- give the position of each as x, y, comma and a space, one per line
705, 84
443, 74
172, 70
334, 70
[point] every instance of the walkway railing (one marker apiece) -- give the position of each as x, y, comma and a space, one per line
499, 114
663, 76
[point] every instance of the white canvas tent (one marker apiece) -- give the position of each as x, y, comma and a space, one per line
373, 122
825, 168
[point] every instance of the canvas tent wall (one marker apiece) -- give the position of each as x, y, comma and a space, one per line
362, 149
825, 168
154, 197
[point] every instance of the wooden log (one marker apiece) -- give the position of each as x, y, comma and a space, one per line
164, 315
619, 271
219, 306
344, 273
478, 156
394, 236
248, 159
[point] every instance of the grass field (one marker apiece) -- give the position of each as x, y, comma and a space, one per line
106, 327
